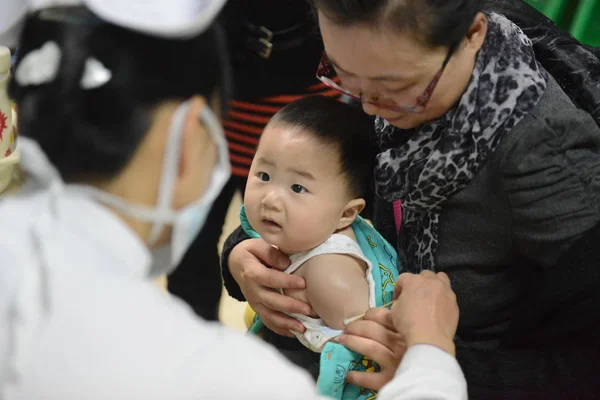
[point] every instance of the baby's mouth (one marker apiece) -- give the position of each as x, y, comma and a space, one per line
269, 223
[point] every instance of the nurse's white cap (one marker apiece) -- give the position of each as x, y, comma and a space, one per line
163, 18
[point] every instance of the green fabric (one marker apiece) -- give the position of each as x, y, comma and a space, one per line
337, 360
246, 224
552, 9
586, 24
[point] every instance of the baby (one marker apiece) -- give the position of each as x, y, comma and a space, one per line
306, 188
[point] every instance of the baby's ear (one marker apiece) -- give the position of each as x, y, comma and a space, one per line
351, 211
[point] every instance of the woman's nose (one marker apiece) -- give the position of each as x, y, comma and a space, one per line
369, 108
370, 100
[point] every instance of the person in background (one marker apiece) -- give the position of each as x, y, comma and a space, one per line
274, 46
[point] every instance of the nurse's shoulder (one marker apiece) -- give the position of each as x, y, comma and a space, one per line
118, 334
140, 342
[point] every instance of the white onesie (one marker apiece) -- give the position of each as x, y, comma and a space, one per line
317, 334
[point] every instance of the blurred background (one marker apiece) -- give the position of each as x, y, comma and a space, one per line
581, 18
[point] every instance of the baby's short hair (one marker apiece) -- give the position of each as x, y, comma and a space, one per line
343, 125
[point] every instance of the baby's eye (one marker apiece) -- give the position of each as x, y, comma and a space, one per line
263, 176
298, 189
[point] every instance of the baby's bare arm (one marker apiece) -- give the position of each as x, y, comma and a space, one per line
336, 287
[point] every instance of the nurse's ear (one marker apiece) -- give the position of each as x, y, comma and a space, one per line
198, 156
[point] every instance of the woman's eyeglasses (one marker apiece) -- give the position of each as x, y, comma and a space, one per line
326, 74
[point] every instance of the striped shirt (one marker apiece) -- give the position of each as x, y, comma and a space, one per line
245, 122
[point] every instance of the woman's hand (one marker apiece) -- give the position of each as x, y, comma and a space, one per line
375, 337
425, 310
257, 267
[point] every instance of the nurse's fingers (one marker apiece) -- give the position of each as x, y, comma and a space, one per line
369, 348
369, 380
407, 277
384, 346
387, 360
381, 315
400, 282
444, 278
377, 333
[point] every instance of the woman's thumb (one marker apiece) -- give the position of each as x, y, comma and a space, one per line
272, 256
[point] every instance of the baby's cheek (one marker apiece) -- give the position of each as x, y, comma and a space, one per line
251, 214
312, 229
252, 204
305, 221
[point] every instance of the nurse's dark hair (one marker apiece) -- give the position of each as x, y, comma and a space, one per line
437, 23
344, 126
93, 133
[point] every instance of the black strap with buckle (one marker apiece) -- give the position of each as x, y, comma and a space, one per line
262, 40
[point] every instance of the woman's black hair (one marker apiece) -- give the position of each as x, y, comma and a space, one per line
437, 23
342, 125
93, 133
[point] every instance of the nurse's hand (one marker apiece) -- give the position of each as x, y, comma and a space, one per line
425, 310
375, 337
257, 267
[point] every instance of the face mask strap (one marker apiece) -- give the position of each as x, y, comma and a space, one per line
170, 169
138, 212
172, 157
194, 215
222, 170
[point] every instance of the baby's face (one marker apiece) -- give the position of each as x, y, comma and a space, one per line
295, 194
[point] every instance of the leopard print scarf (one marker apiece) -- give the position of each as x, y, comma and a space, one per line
440, 158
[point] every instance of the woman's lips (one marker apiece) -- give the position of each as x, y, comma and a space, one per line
398, 118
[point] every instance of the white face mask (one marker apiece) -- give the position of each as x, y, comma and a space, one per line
186, 222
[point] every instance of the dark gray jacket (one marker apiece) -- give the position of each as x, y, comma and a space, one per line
506, 233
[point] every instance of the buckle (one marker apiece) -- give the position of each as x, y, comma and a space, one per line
260, 41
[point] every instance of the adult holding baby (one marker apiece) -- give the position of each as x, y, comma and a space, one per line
497, 172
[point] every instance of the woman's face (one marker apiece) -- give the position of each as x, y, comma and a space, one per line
394, 69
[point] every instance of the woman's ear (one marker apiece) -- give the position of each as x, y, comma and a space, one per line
351, 211
477, 32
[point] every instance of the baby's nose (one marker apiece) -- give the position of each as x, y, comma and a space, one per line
272, 201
